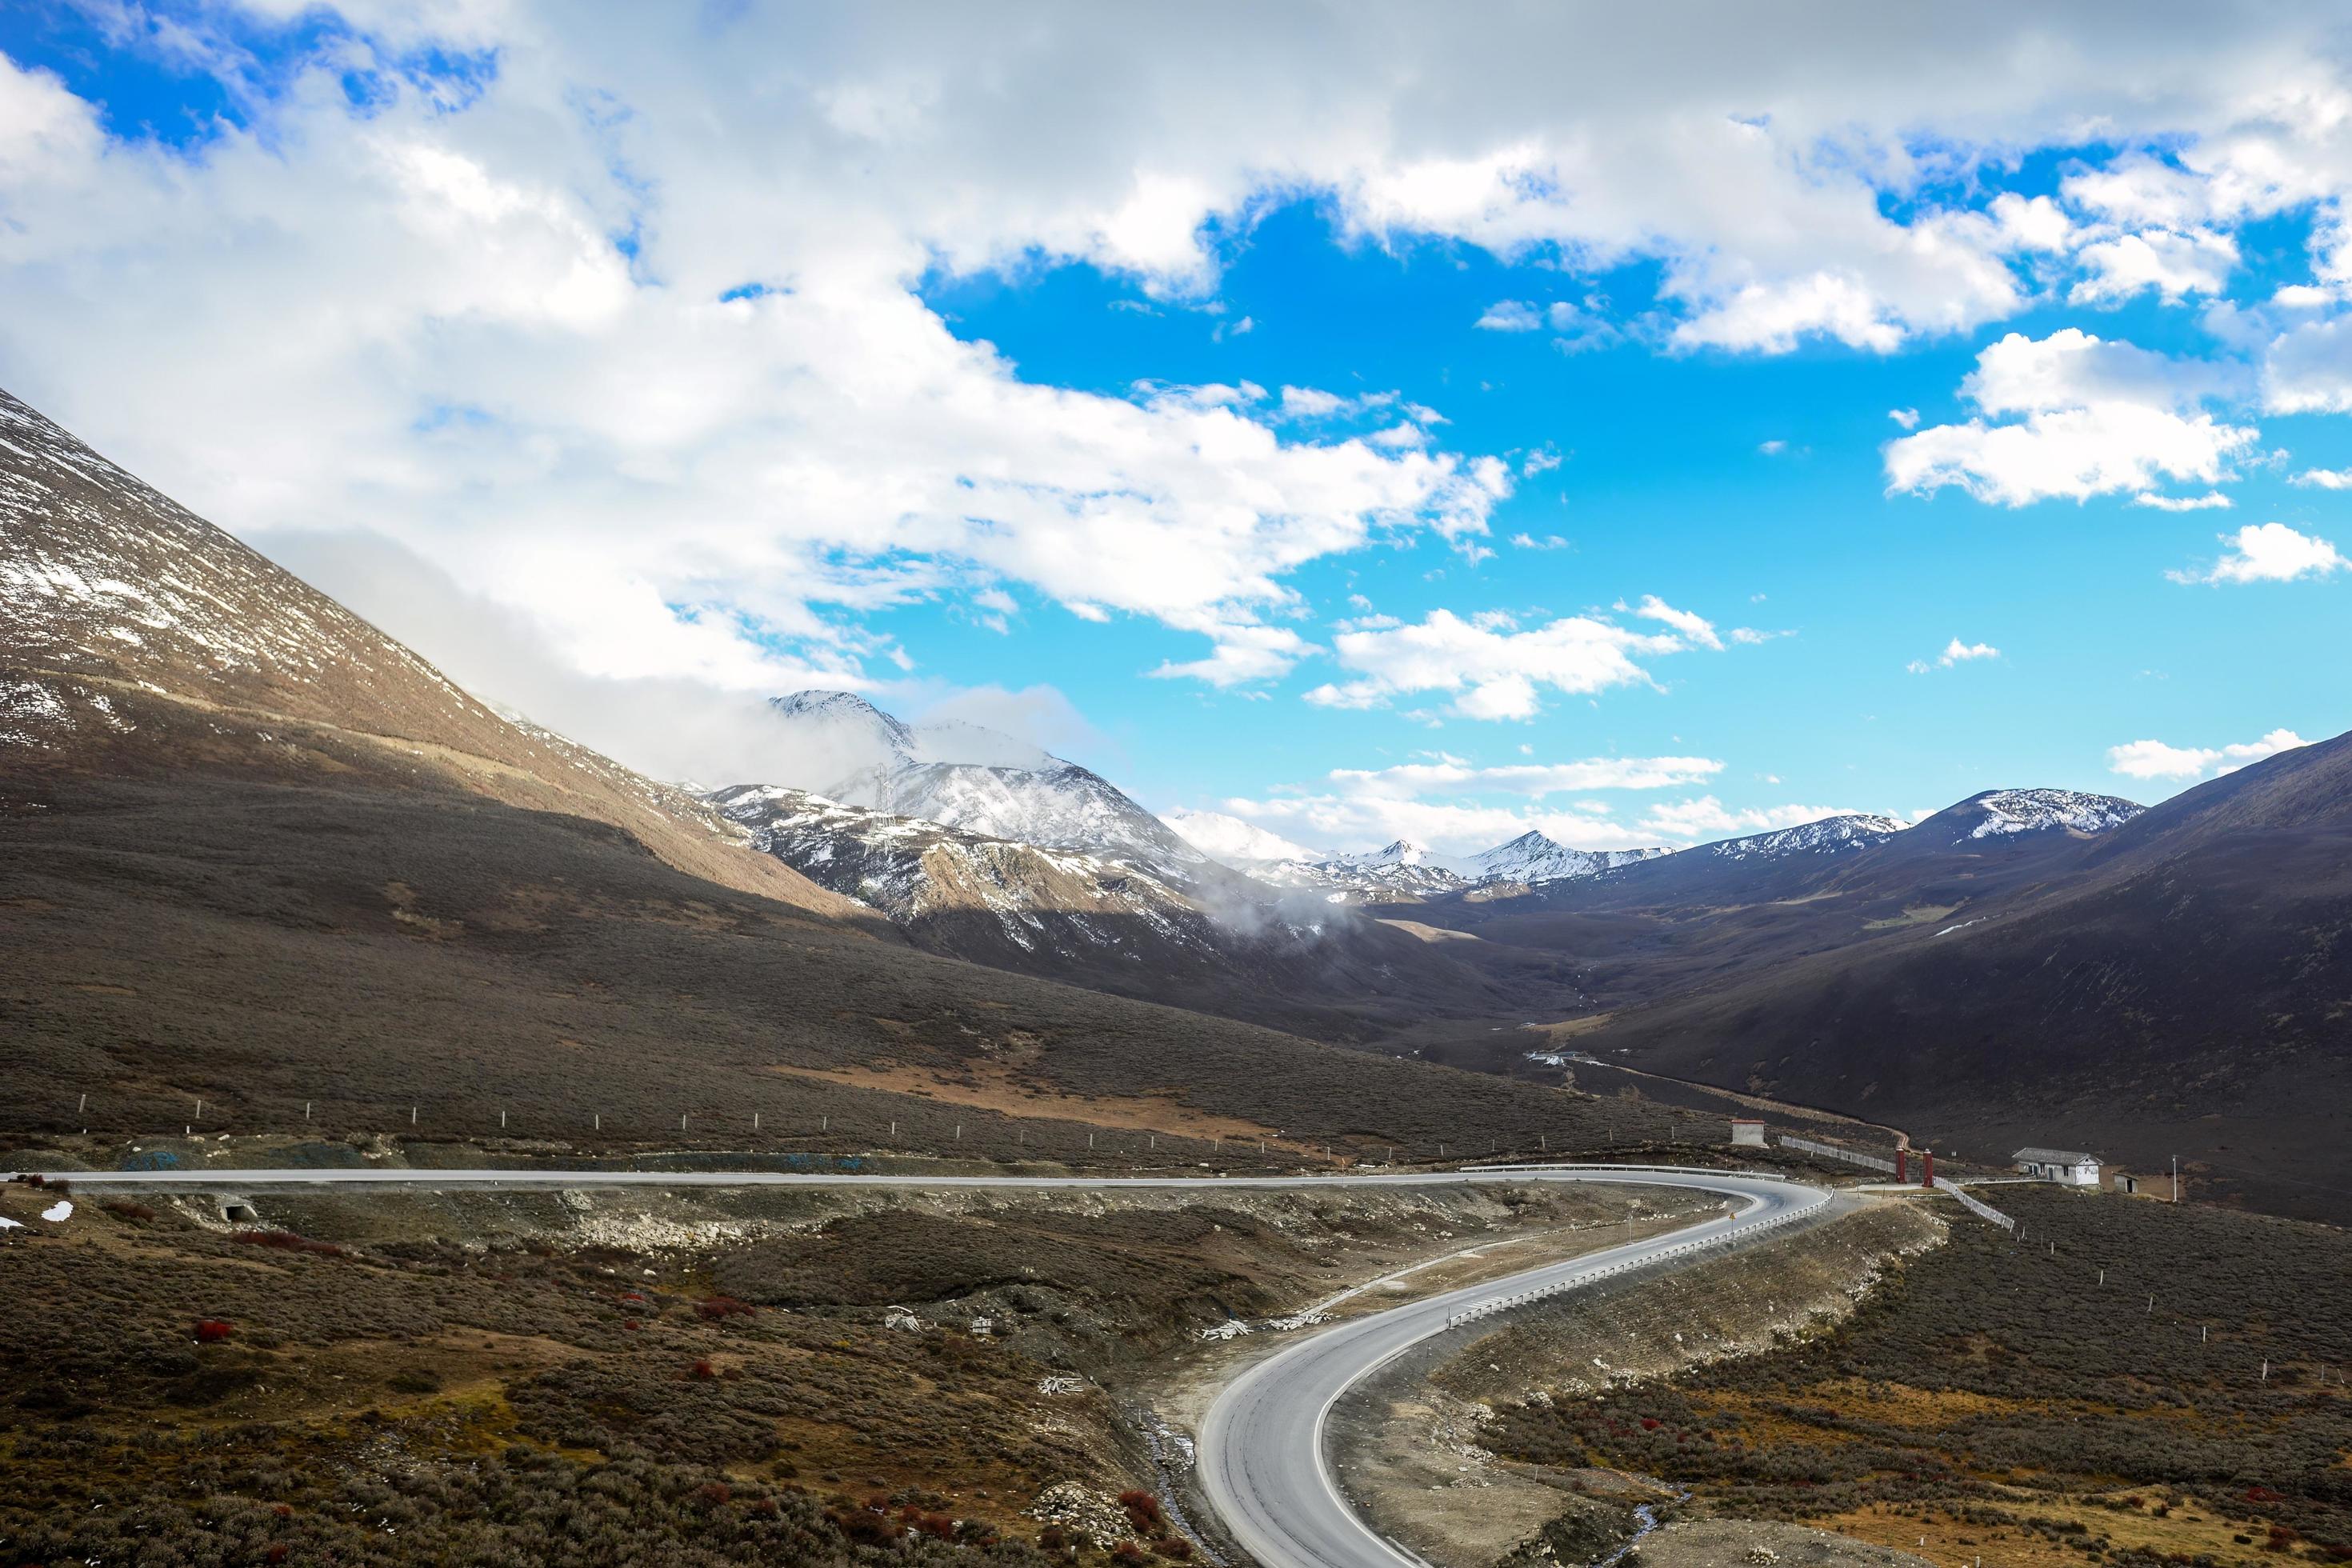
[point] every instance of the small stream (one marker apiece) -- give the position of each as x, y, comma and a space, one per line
1646, 1517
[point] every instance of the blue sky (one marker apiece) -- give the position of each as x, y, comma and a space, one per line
634, 371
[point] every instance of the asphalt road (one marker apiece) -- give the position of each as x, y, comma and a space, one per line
1265, 1465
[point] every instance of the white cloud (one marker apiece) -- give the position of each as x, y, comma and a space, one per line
1955, 652
1230, 839
1242, 652
1492, 671
2099, 416
1510, 316
1692, 626
1452, 775
1907, 417
2325, 478
2268, 553
2156, 760
2173, 264
1696, 821
416, 319
2212, 501
1542, 460
1773, 449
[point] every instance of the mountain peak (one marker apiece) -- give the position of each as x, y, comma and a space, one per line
1857, 830
2000, 813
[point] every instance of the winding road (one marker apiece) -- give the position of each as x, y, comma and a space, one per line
1265, 1465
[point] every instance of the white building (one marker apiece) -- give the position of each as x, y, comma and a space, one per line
1747, 1132
2067, 1167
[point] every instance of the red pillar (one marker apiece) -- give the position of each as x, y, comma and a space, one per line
1927, 1167
1902, 1166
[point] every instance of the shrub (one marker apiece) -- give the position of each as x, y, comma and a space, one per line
211, 1331
704, 1369
1142, 1510
286, 1241
124, 1209
714, 1493
1173, 1547
722, 1307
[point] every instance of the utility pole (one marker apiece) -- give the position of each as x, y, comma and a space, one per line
2176, 1178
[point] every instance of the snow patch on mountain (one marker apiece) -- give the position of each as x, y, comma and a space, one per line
2012, 811
1829, 835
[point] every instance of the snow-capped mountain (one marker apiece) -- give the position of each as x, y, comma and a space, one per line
969, 777
1406, 872
924, 873
1829, 835
2004, 812
1533, 857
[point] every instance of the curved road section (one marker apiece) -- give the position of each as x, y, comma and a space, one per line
1263, 1464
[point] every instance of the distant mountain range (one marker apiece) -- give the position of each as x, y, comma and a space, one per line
259, 852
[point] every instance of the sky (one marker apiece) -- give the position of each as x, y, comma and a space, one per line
1362, 422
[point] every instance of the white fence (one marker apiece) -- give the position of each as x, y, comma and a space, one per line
1832, 1151
1976, 1206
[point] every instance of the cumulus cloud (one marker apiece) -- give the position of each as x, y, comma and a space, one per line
1491, 669
2267, 553
2325, 478
1695, 821
1511, 316
2156, 760
2097, 417
2172, 264
1955, 652
624, 330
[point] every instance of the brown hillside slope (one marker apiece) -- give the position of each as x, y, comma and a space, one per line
123, 615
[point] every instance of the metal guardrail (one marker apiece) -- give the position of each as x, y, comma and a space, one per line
1502, 1303
1663, 1170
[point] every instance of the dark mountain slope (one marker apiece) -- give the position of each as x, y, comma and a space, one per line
253, 852
1703, 917
263, 945
2183, 985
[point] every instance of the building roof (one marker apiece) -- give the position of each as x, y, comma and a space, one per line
1746, 1121
2055, 1157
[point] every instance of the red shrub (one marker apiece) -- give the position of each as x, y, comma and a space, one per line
632, 1323
704, 1369
277, 1553
765, 1508
720, 1307
2264, 1494
1142, 1510
1175, 1548
938, 1525
1649, 1423
1053, 1538
863, 1526
211, 1331
284, 1510
1128, 1551
713, 1493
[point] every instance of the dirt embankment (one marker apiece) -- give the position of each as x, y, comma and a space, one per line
1417, 1465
